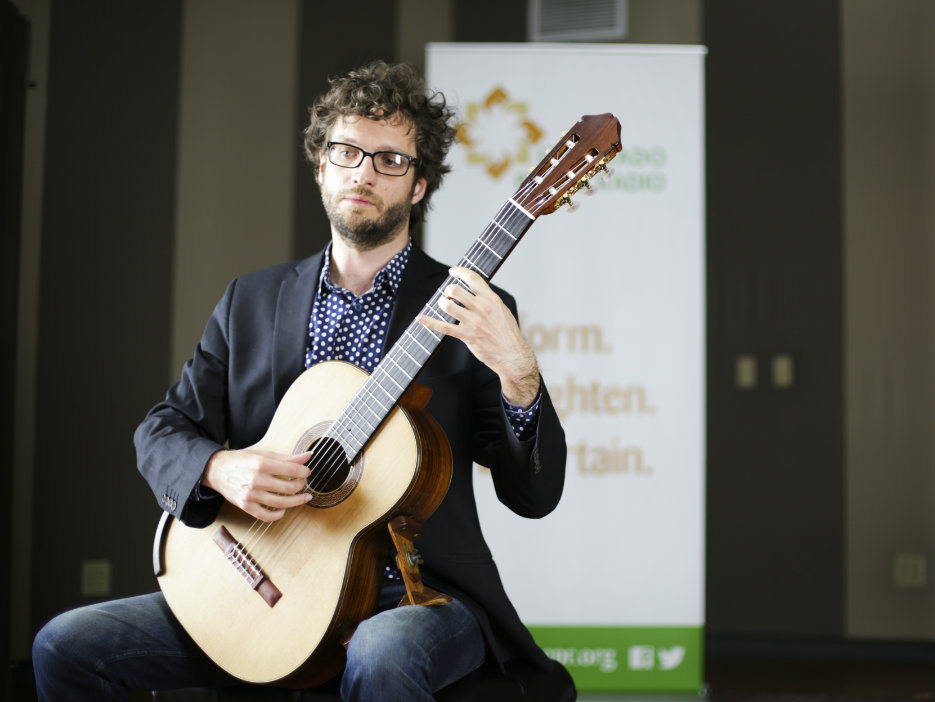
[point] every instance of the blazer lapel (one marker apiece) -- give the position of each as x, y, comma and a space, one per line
290, 329
422, 277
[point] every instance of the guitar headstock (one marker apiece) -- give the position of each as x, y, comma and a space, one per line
582, 152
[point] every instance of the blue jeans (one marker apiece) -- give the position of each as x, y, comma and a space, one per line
102, 651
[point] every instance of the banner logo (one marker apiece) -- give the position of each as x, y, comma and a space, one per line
497, 132
645, 657
639, 657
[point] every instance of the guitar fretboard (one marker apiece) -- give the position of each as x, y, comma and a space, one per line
390, 379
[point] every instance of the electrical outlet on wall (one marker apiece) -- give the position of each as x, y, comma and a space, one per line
783, 371
95, 578
745, 371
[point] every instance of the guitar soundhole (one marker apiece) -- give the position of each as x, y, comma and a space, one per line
332, 479
329, 466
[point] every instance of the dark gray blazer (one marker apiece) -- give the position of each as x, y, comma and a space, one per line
253, 348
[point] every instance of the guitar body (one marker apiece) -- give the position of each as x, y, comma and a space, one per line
325, 561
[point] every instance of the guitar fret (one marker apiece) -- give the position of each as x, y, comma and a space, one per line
414, 359
367, 388
365, 401
341, 424
475, 266
387, 375
356, 442
348, 433
359, 443
491, 250
460, 283
411, 336
373, 381
471, 265
507, 231
439, 314
353, 427
402, 370
367, 398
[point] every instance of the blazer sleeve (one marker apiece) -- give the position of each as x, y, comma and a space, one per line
180, 434
528, 476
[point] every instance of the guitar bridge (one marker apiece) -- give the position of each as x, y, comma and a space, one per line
238, 556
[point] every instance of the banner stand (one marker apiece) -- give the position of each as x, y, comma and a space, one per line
611, 299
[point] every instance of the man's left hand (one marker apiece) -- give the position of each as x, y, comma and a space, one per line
491, 332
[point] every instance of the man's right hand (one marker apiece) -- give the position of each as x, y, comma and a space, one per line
262, 483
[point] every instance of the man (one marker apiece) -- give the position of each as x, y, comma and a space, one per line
378, 142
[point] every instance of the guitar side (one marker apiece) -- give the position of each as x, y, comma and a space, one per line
325, 562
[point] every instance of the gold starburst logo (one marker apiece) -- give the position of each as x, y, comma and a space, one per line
497, 132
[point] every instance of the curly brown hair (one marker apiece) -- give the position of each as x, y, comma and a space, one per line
379, 90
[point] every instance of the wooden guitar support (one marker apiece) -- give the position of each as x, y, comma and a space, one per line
403, 532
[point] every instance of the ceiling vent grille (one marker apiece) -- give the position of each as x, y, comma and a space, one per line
582, 20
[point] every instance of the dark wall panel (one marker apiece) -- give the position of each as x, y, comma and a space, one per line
319, 58
107, 247
14, 58
775, 546
489, 20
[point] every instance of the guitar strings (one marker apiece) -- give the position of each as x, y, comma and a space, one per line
333, 458
329, 465
479, 251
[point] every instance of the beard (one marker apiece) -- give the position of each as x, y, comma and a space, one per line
366, 233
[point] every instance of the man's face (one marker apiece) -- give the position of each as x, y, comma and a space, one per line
368, 208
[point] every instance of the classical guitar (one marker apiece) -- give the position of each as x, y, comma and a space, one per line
273, 603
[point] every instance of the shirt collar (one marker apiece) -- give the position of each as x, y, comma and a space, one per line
387, 278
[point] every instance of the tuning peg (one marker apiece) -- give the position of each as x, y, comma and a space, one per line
608, 171
586, 183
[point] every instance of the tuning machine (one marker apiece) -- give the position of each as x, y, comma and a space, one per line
566, 200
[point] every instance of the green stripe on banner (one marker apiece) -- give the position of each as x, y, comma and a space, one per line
627, 658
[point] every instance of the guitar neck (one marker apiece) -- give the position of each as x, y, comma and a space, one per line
382, 390
579, 155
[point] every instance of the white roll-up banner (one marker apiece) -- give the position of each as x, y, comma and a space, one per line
611, 299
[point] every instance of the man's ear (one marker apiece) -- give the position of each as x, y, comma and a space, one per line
418, 190
320, 173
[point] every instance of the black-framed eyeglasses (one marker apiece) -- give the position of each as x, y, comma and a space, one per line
388, 163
